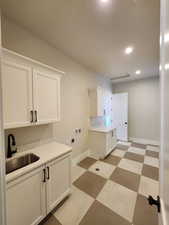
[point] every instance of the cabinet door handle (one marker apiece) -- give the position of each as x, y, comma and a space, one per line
44, 175
48, 177
31, 112
36, 117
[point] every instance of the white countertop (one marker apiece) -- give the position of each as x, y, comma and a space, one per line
46, 153
102, 129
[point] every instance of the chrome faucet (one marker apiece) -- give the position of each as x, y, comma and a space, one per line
11, 146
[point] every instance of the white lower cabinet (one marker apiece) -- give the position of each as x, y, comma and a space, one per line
102, 143
111, 141
26, 199
59, 181
32, 196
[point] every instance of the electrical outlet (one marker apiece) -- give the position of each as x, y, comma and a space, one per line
76, 131
72, 140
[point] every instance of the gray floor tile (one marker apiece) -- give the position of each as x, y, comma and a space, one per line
135, 157
144, 213
138, 145
99, 214
90, 183
152, 154
87, 162
126, 178
151, 172
113, 160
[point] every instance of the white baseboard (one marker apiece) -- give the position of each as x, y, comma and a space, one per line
144, 141
80, 157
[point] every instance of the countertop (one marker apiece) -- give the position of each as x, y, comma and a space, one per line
46, 152
102, 129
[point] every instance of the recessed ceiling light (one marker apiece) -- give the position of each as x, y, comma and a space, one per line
167, 66
166, 38
160, 67
138, 72
129, 50
104, 1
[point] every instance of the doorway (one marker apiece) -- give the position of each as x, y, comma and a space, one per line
120, 115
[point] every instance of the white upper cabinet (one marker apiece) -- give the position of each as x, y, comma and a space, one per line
17, 94
31, 91
96, 99
46, 89
100, 102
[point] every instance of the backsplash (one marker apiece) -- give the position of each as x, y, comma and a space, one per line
102, 121
97, 121
30, 137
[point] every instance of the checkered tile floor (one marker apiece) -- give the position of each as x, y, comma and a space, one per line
113, 191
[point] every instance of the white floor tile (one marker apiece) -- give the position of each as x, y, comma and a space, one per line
124, 143
105, 169
131, 165
119, 199
119, 153
74, 208
149, 187
77, 171
151, 161
153, 148
137, 150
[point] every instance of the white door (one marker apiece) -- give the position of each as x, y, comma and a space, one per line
46, 92
164, 151
58, 181
17, 94
25, 199
120, 115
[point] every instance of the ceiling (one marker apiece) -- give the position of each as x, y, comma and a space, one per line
96, 33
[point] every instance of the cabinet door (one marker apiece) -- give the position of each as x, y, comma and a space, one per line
59, 181
108, 142
100, 102
17, 94
111, 141
46, 92
25, 198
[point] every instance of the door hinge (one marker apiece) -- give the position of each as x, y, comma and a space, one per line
156, 202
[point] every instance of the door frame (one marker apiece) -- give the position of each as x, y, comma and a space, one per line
126, 95
163, 73
2, 152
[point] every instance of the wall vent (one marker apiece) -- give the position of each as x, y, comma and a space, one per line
120, 77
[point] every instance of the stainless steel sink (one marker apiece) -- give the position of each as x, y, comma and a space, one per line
19, 162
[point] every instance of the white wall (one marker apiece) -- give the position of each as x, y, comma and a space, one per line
74, 89
144, 107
